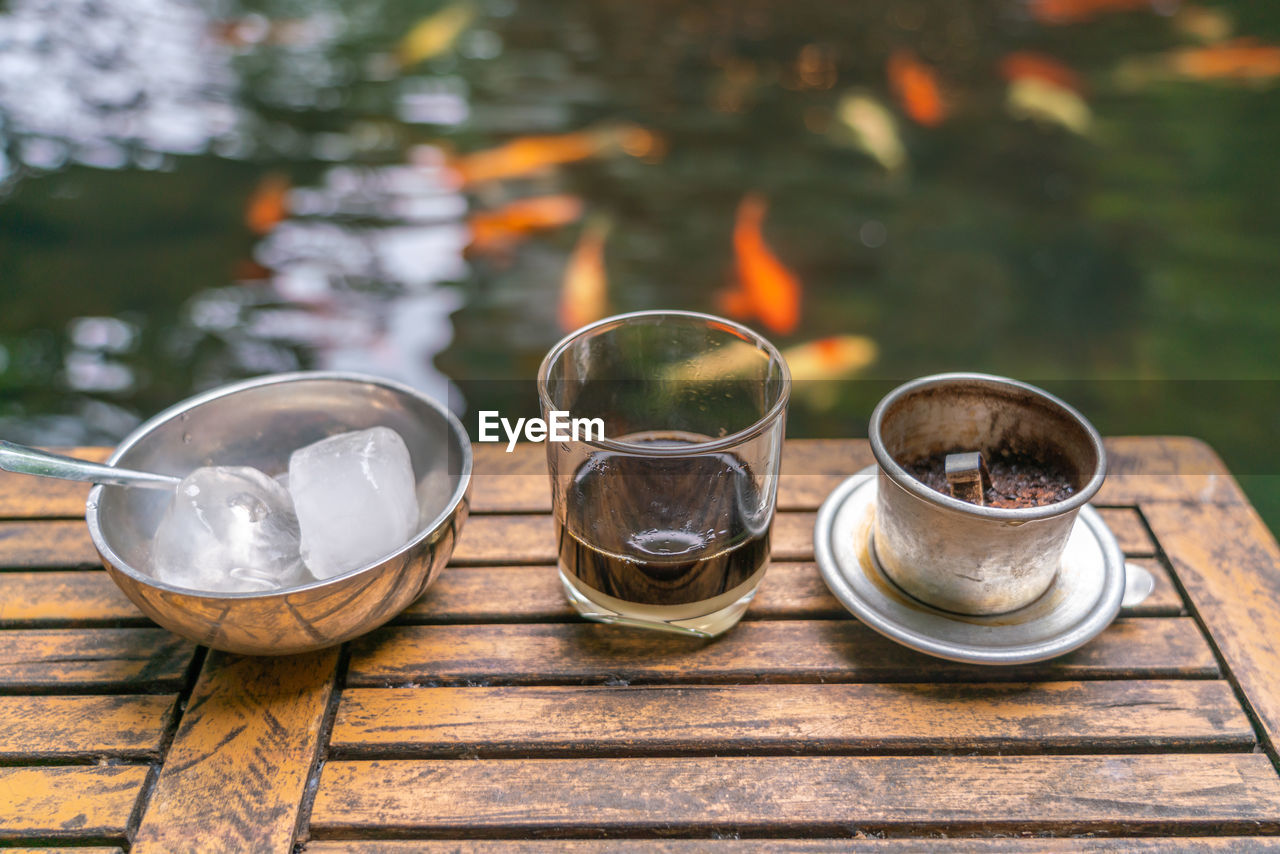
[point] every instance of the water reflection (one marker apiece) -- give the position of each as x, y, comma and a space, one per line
320, 267
1056, 188
110, 83
349, 271
91, 364
353, 276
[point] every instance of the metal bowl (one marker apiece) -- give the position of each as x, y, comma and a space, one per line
259, 423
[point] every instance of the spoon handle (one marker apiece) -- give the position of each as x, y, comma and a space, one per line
24, 460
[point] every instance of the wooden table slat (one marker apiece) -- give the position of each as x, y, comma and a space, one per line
758, 651
67, 802
814, 794
486, 540
1147, 469
689, 720
63, 597
79, 659
1131, 533
235, 774
861, 843
791, 591
1229, 564
1140, 469
796, 591
47, 545
43, 728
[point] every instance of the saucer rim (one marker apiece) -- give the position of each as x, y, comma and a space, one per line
1073, 637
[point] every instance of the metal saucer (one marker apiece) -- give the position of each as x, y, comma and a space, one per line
1082, 601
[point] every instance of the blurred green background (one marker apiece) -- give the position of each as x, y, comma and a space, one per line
1079, 194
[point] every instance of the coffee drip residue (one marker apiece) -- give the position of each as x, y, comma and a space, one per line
1018, 479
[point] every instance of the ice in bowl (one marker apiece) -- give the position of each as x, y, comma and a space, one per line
347, 501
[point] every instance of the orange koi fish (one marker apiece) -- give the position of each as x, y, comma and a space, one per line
248, 270
1055, 12
434, 34
1242, 60
830, 358
915, 85
584, 295
253, 29
1204, 23
771, 291
825, 359
1239, 59
1045, 90
870, 127
530, 154
734, 302
1048, 103
1029, 65
502, 228
268, 204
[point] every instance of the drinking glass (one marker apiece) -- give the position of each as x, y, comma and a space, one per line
663, 521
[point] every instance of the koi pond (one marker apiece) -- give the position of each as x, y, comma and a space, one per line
1079, 193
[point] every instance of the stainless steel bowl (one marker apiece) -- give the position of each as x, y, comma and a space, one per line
258, 423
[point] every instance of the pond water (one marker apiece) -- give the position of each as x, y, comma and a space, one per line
1079, 193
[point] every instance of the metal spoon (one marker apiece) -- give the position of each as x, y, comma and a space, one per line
24, 460
1138, 585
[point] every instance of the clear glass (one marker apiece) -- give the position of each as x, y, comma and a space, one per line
664, 521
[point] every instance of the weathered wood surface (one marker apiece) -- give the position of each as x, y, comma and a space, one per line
790, 591
47, 544
67, 802
57, 598
495, 539
860, 843
81, 660
814, 794
760, 651
1143, 469
714, 720
778, 729
1230, 566
120, 726
234, 777
1130, 531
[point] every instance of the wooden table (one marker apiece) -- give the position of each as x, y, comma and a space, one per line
487, 713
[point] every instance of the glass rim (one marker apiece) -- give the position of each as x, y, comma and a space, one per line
747, 433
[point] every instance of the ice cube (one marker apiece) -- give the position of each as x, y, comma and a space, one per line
354, 496
229, 529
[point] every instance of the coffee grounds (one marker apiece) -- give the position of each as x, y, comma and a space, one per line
1017, 479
